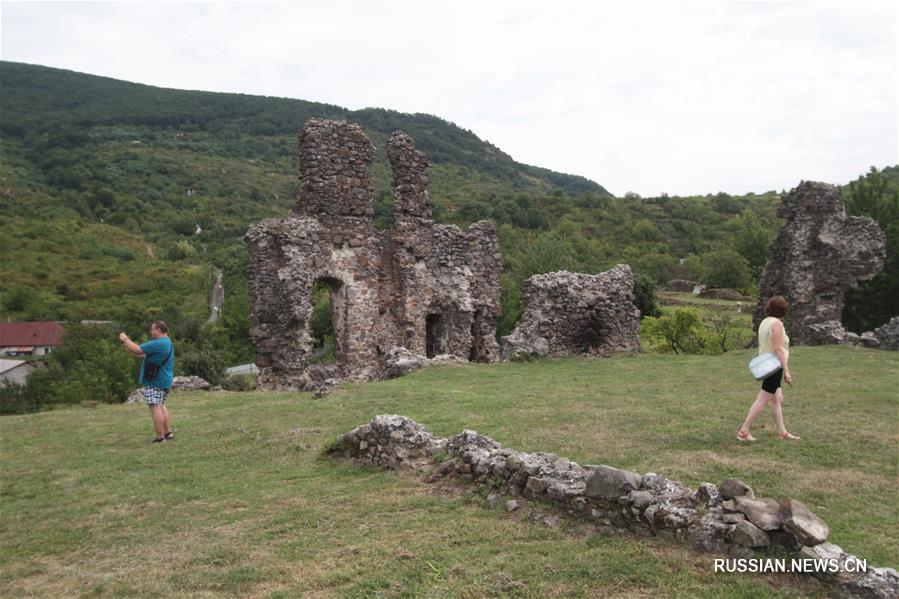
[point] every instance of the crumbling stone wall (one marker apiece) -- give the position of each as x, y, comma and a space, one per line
575, 313
726, 519
432, 289
818, 253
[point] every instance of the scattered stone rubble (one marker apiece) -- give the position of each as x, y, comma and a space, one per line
136, 396
189, 383
887, 334
418, 289
726, 519
817, 255
179, 383
574, 313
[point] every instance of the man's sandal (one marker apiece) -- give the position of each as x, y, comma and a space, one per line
745, 436
786, 435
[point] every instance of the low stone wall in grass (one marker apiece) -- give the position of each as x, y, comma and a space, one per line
727, 518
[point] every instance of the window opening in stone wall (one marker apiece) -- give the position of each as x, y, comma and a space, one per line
435, 330
383, 207
382, 184
321, 322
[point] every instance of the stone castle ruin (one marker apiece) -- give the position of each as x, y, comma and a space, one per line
817, 255
431, 289
575, 313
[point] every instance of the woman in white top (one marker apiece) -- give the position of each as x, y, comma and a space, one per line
772, 339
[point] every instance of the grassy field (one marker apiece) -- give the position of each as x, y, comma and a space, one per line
739, 312
244, 504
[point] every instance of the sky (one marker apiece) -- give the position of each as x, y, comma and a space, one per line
647, 97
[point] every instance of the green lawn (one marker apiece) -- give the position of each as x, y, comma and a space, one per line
243, 503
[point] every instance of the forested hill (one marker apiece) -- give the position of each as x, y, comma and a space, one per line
119, 201
40, 100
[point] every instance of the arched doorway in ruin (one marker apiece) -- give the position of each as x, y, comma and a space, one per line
435, 334
327, 321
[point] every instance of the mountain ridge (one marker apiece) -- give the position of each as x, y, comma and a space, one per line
93, 100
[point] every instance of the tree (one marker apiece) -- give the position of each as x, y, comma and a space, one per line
679, 331
874, 302
89, 365
752, 240
724, 268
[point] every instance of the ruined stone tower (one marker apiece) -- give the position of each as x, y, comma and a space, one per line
818, 253
432, 289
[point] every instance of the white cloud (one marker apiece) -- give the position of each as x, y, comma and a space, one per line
682, 97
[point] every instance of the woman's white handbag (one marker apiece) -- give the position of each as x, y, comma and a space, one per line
764, 365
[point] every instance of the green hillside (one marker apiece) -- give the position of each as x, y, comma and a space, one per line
79, 150
104, 184
66, 106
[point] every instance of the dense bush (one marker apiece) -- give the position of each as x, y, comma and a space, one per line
239, 382
14, 399
89, 366
645, 295
202, 359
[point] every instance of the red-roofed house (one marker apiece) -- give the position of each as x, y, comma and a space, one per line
29, 338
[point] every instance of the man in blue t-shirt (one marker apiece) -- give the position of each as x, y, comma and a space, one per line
157, 371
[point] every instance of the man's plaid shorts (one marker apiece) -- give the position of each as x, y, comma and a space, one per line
155, 396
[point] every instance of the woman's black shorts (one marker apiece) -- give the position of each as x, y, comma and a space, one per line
771, 383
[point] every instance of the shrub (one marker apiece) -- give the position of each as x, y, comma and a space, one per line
681, 331
203, 360
320, 325
324, 353
123, 254
14, 399
239, 382
645, 297
726, 334
181, 250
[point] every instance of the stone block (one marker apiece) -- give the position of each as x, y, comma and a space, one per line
763, 512
731, 487
749, 535
610, 483
805, 526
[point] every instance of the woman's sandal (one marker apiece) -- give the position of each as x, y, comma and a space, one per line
786, 435
745, 436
